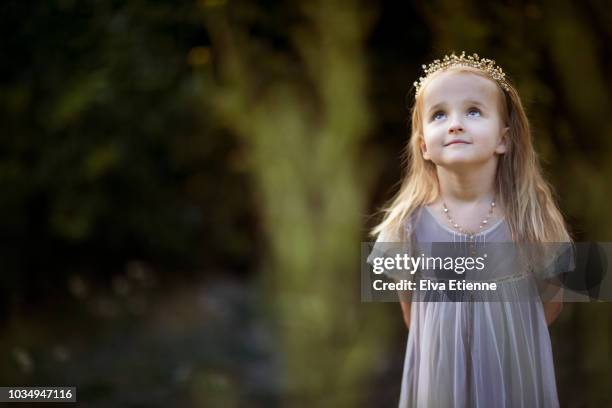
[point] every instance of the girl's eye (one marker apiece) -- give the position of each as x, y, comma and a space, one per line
438, 115
474, 112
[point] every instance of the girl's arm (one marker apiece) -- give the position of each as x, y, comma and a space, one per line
405, 299
406, 312
553, 307
552, 310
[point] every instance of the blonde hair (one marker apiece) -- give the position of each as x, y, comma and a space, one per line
531, 211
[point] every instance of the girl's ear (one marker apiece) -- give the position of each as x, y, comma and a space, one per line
503, 140
424, 150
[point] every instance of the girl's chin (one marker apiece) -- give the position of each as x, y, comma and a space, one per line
463, 161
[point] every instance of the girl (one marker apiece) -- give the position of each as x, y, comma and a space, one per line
473, 176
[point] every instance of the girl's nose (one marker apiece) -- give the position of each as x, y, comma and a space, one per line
455, 127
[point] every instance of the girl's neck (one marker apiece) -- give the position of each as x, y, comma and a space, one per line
467, 186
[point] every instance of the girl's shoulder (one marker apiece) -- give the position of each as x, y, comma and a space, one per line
413, 219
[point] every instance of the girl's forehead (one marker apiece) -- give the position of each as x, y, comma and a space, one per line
453, 86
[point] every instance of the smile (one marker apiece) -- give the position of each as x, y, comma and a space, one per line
456, 141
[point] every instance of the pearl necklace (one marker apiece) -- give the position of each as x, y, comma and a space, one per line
462, 230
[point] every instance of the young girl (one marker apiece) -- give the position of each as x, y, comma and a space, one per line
473, 176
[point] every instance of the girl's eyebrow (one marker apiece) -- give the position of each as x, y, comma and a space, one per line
436, 106
473, 102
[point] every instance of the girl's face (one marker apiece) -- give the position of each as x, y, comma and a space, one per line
462, 124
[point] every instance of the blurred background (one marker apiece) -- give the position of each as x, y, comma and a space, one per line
185, 187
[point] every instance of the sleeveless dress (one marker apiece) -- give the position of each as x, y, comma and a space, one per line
478, 353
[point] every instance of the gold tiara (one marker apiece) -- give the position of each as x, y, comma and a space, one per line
473, 61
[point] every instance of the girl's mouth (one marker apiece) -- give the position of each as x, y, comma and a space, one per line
456, 141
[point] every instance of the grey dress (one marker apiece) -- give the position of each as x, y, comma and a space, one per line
475, 353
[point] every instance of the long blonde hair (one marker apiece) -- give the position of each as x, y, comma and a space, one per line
531, 211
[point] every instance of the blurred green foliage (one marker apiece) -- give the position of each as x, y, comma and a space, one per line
107, 153
303, 130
